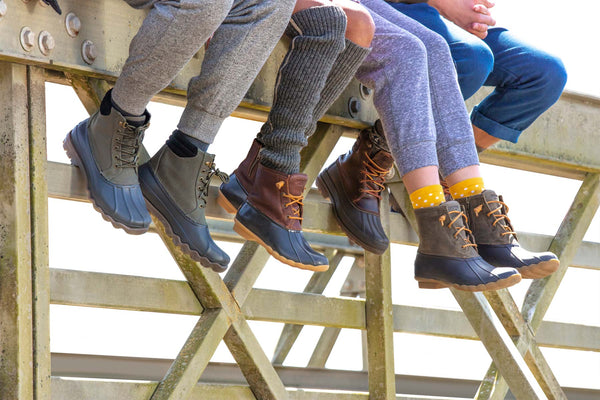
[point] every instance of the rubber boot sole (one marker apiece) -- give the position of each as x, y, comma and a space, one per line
426, 283
249, 235
184, 247
540, 270
76, 161
226, 204
324, 184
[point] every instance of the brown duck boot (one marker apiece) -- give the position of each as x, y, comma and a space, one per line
272, 217
354, 183
447, 256
497, 240
106, 147
232, 194
175, 189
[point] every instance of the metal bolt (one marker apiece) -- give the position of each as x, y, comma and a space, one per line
46, 42
365, 92
88, 52
3, 8
27, 38
73, 24
354, 106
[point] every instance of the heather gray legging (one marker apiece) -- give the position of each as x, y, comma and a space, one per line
417, 94
245, 33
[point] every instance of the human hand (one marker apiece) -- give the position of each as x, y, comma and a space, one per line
54, 5
471, 15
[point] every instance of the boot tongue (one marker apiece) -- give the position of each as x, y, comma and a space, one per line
451, 206
489, 195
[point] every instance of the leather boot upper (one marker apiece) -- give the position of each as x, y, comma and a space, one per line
364, 168
115, 146
279, 197
443, 231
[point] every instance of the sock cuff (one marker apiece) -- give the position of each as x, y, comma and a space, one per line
428, 196
467, 187
319, 21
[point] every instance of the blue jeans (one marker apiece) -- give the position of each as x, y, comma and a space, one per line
527, 80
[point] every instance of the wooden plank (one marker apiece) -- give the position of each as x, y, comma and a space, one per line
40, 268
65, 389
499, 345
379, 317
16, 342
323, 348
92, 289
316, 285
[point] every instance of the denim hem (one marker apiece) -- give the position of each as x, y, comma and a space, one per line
494, 128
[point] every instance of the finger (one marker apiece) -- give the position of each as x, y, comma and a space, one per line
486, 3
479, 34
481, 9
483, 18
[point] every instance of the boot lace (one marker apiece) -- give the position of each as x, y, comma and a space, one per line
128, 141
469, 242
204, 181
297, 210
499, 215
373, 177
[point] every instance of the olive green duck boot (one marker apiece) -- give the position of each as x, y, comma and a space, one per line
497, 241
175, 189
447, 256
106, 147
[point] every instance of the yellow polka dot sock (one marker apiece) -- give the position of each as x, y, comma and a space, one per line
466, 188
428, 196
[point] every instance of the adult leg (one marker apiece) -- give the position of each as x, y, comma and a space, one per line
527, 82
175, 181
106, 145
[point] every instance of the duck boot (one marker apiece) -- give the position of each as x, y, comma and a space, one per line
175, 189
106, 147
233, 193
354, 183
496, 240
447, 257
272, 217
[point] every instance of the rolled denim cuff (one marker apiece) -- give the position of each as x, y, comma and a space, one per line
494, 128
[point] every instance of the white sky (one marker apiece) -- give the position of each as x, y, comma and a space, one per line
79, 238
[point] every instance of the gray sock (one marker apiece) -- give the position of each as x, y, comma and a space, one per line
300, 81
340, 76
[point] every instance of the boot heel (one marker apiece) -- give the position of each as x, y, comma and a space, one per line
431, 284
226, 204
243, 231
70, 150
321, 187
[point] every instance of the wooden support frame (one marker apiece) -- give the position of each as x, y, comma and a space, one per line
224, 306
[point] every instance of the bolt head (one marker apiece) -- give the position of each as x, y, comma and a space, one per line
72, 24
46, 42
27, 38
354, 106
88, 52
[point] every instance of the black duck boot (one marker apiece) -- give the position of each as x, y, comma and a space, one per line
496, 240
354, 183
233, 193
448, 257
106, 147
175, 189
272, 217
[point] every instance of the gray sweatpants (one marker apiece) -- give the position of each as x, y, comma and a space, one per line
417, 94
245, 33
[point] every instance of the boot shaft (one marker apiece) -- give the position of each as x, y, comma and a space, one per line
279, 196
443, 231
487, 218
364, 168
186, 179
246, 171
